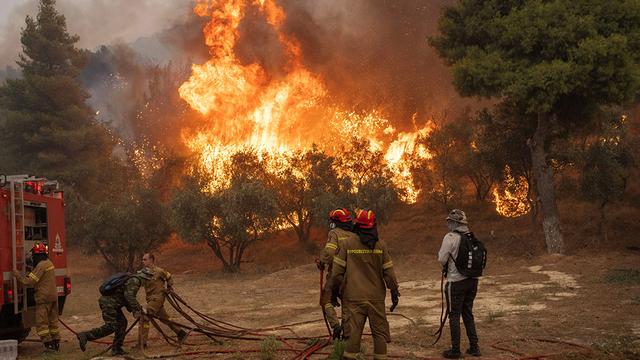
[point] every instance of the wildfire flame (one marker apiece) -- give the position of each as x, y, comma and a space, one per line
246, 107
512, 198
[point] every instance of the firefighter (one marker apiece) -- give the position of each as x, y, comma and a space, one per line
43, 279
340, 227
361, 268
155, 292
114, 320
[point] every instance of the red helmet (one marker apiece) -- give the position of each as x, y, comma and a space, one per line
39, 248
340, 215
366, 219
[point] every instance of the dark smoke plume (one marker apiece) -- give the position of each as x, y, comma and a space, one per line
371, 53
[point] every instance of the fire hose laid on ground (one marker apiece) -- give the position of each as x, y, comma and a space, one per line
212, 328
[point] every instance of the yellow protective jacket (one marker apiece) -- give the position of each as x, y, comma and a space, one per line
155, 287
360, 272
329, 250
43, 279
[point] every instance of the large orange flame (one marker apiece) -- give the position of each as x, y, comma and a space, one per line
244, 106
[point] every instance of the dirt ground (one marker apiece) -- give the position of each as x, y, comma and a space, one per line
587, 298
590, 297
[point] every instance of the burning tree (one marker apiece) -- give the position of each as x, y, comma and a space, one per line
229, 219
308, 187
283, 111
557, 62
439, 175
499, 138
371, 177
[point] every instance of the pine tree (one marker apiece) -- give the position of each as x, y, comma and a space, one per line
557, 63
47, 128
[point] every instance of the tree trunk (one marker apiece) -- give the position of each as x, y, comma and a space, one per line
217, 252
533, 203
545, 186
303, 231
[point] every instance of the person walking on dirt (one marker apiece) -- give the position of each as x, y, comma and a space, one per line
340, 227
361, 269
43, 279
460, 291
156, 288
117, 292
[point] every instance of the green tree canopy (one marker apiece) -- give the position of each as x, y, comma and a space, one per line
125, 226
308, 187
231, 219
605, 171
556, 61
48, 129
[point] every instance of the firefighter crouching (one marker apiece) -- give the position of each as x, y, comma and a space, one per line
122, 294
155, 292
340, 226
361, 268
43, 279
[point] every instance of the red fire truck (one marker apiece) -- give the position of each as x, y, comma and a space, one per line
31, 211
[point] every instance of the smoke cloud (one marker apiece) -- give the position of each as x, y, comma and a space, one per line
97, 22
371, 53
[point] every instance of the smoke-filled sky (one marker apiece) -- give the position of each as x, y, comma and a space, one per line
97, 22
370, 53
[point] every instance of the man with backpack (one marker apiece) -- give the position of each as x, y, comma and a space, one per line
118, 291
462, 258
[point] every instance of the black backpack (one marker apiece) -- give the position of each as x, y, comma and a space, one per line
112, 283
472, 256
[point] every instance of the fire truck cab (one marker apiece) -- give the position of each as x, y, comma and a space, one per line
31, 211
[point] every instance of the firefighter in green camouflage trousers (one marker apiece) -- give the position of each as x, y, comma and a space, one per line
114, 319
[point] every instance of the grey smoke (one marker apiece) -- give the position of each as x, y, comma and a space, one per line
98, 22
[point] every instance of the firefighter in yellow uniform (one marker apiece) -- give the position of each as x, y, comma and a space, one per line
361, 268
340, 228
155, 292
43, 279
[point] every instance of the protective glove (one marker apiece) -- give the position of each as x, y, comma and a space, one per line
136, 314
395, 294
334, 299
16, 273
319, 264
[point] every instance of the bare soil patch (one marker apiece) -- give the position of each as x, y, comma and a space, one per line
570, 298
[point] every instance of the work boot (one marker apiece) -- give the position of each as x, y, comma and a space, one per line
337, 331
48, 346
56, 344
182, 335
116, 351
452, 354
474, 350
82, 341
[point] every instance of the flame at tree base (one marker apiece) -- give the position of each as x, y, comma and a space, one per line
511, 198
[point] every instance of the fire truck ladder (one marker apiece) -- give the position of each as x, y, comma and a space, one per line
17, 238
